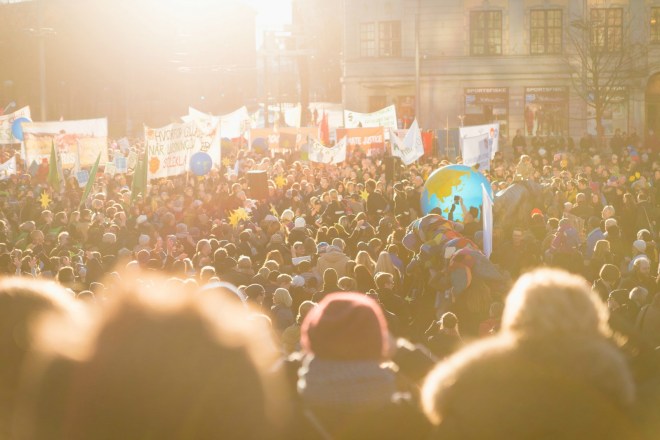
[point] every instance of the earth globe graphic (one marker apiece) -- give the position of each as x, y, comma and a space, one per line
454, 180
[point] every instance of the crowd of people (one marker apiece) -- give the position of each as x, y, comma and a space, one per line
193, 310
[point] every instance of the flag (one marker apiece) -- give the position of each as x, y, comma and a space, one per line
53, 173
487, 217
8, 168
90, 182
324, 130
139, 184
411, 147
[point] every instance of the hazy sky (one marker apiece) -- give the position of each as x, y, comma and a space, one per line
271, 12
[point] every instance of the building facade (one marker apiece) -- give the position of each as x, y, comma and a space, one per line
477, 61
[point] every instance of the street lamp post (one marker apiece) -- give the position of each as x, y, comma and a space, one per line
417, 62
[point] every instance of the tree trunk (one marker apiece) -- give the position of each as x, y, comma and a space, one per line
600, 130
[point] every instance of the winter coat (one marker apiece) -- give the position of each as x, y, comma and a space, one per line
332, 259
559, 388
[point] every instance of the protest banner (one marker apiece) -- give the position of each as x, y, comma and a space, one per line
411, 147
479, 143
6, 121
321, 154
8, 168
82, 177
370, 140
121, 164
232, 125
76, 142
169, 148
132, 160
283, 139
110, 169
385, 117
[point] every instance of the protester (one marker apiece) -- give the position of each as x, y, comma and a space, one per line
550, 369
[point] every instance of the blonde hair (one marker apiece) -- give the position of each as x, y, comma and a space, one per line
549, 302
365, 259
153, 355
282, 297
385, 264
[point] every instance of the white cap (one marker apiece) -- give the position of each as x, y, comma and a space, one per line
300, 222
141, 219
610, 222
298, 281
639, 245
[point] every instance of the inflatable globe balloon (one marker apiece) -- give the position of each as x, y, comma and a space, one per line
200, 163
17, 127
454, 180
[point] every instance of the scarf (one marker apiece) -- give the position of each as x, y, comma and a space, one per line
351, 385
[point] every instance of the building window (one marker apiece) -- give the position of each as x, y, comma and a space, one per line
655, 25
607, 29
368, 39
389, 39
545, 31
382, 39
486, 33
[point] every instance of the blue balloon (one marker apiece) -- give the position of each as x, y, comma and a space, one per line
17, 128
200, 163
260, 145
454, 180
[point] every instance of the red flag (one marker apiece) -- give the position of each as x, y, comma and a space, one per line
427, 140
324, 130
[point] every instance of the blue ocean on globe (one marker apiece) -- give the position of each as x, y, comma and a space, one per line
454, 180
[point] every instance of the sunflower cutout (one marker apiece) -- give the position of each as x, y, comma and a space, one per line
280, 181
45, 200
233, 219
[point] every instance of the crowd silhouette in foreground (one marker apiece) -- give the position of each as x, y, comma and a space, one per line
166, 315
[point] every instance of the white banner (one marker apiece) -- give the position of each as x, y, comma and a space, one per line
382, 118
479, 143
8, 168
232, 125
487, 217
322, 154
411, 147
77, 143
170, 148
6, 121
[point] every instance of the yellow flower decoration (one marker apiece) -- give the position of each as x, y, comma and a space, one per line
364, 195
226, 162
233, 219
242, 214
637, 175
45, 200
632, 178
280, 181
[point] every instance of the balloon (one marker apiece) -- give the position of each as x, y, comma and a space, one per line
454, 180
17, 128
200, 163
260, 145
